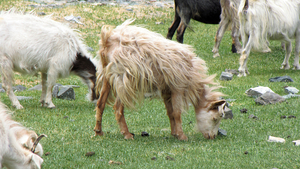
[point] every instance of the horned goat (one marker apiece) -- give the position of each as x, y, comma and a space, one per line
136, 61
19, 148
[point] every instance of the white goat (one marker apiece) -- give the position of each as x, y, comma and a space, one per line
15, 142
229, 16
30, 44
261, 20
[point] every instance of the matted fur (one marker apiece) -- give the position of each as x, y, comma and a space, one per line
136, 66
30, 44
16, 142
136, 61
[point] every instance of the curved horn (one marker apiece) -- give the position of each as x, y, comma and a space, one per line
37, 142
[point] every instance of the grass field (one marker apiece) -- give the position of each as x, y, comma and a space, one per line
70, 126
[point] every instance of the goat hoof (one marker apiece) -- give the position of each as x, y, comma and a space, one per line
18, 106
296, 68
216, 55
182, 137
129, 136
285, 67
98, 133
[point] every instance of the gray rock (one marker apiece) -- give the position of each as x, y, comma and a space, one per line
226, 76
251, 116
290, 95
269, 98
37, 87
24, 98
66, 93
2, 90
55, 91
232, 71
291, 90
222, 132
228, 113
19, 88
281, 79
257, 91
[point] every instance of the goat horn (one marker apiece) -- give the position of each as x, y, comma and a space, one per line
37, 142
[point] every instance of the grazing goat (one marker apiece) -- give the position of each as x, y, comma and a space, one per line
229, 16
18, 144
206, 11
272, 19
136, 61
30, 44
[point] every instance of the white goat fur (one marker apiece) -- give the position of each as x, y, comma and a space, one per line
30, 44
261, 20
15, 142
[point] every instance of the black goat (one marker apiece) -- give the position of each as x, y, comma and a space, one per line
205, 11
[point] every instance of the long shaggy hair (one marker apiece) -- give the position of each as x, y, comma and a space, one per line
136, 60
270, 18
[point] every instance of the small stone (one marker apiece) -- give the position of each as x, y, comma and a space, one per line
282, 117
153, 158
114, 162
65, 117
170, 158
41, 13
243, 110
19, 88
269, 98
296, 142
91, 153
251, 116
232, 71
226, 76
37, 87
246, 152
47, 153
291, 90
222, 132
159, 23
24, 97
281, 79
144, 134
228, 113
66, 93
257, 91
276, 139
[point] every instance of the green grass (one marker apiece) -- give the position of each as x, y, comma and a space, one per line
70, 138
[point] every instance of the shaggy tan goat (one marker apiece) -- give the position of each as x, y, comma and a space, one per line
136, 61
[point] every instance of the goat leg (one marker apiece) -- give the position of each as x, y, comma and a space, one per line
119, 114
100, 107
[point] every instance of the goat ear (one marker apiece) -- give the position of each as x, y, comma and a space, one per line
215, 105
36, 160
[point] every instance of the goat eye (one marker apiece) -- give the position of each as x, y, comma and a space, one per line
215, 119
